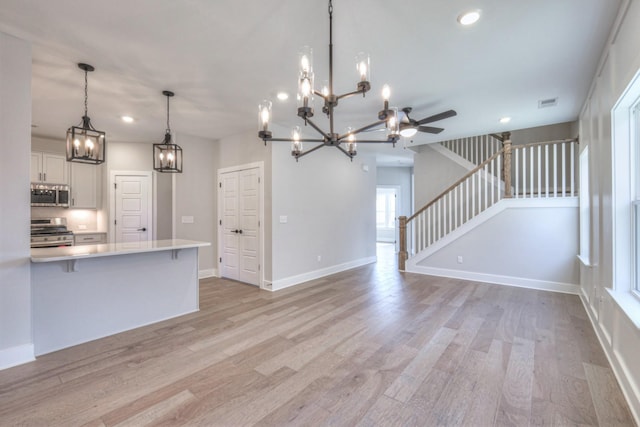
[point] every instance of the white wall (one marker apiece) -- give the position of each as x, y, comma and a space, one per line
618, 334
16, 343
329, 203
195, 195
528, 243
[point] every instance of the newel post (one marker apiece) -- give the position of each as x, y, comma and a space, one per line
506, 177
402, 254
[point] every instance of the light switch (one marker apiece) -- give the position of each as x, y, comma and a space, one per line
187, 219
283, 219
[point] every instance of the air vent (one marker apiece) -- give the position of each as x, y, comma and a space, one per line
551, 102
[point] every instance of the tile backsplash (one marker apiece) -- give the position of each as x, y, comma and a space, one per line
77, 219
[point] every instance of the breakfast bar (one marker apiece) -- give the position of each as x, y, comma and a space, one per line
81, 293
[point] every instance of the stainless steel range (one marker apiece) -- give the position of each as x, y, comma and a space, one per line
50, 233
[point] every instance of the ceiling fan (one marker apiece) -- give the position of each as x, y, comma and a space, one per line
409, 126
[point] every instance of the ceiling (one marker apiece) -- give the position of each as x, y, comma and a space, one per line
223, 57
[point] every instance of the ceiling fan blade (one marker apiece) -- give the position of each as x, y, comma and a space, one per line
429, 129
436, 117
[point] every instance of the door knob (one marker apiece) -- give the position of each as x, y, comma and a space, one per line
142, 229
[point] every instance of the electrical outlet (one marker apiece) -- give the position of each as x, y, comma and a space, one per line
319, 258
459, 259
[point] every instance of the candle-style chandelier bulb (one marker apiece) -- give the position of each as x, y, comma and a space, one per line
296, 144
393, 123
264, 118
351, 145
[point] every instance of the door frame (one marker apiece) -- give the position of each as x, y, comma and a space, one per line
238, 168
112, 201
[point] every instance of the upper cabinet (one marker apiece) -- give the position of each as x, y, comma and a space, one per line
85, 183
49, 168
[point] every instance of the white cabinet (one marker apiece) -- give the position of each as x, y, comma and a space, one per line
90, 238
49, 168
85, 182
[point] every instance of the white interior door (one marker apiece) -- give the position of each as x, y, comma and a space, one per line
249, 190
240, 196
132, 215
230, 259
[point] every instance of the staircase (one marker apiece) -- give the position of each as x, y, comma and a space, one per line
498, 170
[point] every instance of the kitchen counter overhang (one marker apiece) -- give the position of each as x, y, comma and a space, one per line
82, 293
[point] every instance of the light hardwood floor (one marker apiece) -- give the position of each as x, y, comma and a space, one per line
367, 347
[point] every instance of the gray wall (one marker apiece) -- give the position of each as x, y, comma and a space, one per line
545, 133
330, 205
15, 139
433, 173
195, 195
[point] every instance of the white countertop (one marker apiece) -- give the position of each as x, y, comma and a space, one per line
110, 249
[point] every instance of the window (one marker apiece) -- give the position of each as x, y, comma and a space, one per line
626, 200
634, 151
636, 247
585, 208
386, 208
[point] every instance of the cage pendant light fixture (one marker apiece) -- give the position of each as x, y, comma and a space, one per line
167, 155
85, 144
345, 142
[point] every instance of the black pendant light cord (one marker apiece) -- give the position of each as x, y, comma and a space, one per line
86, 93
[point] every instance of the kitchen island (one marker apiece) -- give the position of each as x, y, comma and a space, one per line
81, 293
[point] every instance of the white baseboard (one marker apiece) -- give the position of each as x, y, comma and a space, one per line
17, 355
520, 282
209, 272
316, 274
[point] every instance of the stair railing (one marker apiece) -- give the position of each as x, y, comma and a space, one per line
475, 149
541, 169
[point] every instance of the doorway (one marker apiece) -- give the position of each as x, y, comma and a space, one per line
130, 207
387, 208
240, 219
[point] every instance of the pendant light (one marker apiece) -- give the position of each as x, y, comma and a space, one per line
85, 144
167, 156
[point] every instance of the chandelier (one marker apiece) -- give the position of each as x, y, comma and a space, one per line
85, 144
346, 141
167, 156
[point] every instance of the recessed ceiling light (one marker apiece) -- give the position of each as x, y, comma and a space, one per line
505, 120
282, 96
127, 119
469, 18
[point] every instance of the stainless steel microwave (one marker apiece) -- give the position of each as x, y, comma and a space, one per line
50, 195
